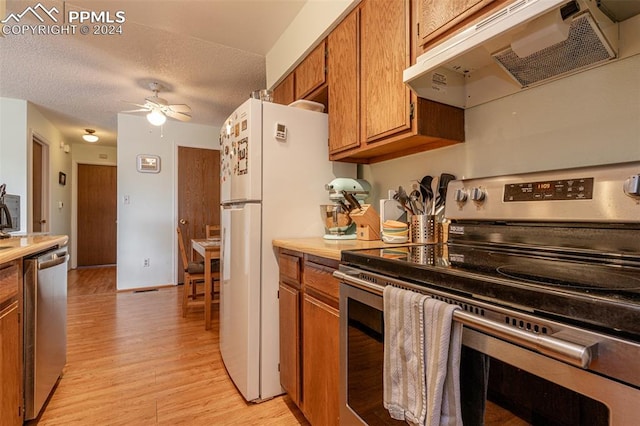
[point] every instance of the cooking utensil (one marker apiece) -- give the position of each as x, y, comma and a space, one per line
425, 187
344, 206
402, 198
427, 193
351, 200
434, 189
416, 200
445, 178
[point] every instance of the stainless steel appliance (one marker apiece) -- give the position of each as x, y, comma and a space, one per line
545, 267
524, 44
5, 214
45, 326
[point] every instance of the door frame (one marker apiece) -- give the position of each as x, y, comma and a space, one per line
174, 247
46, 181
73, 241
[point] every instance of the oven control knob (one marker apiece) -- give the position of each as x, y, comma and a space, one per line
460, 195
477, 194
632, 186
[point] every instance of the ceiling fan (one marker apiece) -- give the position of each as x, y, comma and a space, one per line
159, 109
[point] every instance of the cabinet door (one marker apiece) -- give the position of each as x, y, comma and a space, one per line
284, 93
435, 17
385, 53
10, 367
321, 355
310, 74
343, 80
290, 341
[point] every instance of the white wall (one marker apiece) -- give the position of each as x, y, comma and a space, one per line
59, 161
312, 24
588, 118
146, 226
19, 122
13, 151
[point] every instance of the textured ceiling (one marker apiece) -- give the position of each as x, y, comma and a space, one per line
209, 55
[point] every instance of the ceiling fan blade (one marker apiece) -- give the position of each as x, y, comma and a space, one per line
135, 104
159, 102
178, 115
180, 108
137, 110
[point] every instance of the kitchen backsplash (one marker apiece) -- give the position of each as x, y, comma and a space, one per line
588, 118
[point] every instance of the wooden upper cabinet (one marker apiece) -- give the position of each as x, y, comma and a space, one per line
284, 93
373, 115
343, 80
311, 73
436, 18
385, 53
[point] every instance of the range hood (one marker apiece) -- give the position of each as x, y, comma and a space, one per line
527, 43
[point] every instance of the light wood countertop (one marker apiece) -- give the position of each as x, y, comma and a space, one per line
330, 249
21, 246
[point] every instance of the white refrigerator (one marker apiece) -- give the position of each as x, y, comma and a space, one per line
274, 165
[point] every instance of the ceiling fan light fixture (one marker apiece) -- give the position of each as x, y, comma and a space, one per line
156, 117
89, 136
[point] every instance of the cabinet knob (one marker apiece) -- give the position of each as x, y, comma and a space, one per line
183, 222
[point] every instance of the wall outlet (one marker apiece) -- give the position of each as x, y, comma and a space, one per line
146, 262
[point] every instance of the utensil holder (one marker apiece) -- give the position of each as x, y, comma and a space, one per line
424, 229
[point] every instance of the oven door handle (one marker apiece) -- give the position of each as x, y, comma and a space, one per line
562, 350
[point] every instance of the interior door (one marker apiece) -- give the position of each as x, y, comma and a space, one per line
97, 215
39, 186
198, 193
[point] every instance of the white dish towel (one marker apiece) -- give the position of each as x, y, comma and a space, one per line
404, 370
421, 378
443, 339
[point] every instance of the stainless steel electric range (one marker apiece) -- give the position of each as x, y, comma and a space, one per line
546, 269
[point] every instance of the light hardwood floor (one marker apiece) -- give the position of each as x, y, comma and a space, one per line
133, 360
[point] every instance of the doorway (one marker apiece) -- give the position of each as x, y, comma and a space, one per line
198, 193
97, 215
39, 185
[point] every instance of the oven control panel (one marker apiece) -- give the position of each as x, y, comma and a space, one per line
606, 193
549, 190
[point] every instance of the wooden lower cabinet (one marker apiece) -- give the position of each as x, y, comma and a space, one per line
290, 341
10, 345
321, 366
309, 335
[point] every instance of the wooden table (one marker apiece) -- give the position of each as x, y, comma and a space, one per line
208, 249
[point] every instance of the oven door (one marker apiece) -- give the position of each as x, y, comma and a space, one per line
500, 382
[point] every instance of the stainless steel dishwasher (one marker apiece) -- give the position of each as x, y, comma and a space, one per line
45, 326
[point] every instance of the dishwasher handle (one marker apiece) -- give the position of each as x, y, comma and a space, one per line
55, 261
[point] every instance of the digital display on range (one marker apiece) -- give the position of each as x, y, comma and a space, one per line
565, 189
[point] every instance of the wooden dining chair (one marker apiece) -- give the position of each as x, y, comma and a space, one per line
212, 231
193, 275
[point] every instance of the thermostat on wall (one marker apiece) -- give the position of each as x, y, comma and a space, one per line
281, 132
148, 163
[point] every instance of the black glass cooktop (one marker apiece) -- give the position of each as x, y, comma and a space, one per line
602, 291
